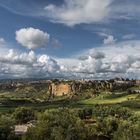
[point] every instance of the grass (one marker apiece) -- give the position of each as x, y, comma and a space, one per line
129, 101
105, 99
6, 109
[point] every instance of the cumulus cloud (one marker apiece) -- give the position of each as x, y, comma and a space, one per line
90, 63
118, 60
74, 12
32, 38
15, 64
48, 63
93, 54
122, 58
136, 65
13, 57
104, 62
84, 57
96, 54
118, 68
89, 66
109, 40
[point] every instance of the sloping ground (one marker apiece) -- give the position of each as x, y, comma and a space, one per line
102, 99
130, 101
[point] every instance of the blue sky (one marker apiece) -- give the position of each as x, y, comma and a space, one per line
70, 38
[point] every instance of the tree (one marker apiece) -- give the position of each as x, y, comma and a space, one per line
23, 115
6, 128
108, 126
127, 130
61, 124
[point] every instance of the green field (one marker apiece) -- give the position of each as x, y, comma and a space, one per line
130, 101
106, 99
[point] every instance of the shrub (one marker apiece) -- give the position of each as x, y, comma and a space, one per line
6, 128
61, 124
23, 115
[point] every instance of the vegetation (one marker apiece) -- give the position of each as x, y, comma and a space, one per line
58, 124
6, 128
92, 113
23, 115
98, 122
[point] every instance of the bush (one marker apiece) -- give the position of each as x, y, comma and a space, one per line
61, 124
84, 113
6, 128
107, 126
127, 130
23, 115
105, 111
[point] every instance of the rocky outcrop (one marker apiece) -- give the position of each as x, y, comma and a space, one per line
59, 89
75, 87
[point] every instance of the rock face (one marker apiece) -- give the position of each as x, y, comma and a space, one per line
138, 82
75, 87
60, 89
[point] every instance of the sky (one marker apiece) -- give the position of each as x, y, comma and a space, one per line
90, 39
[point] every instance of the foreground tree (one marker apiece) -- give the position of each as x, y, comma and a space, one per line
60, 124
128, 130
23, 115
6, 128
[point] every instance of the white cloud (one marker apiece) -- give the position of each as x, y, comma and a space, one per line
84, 57
13, 57
104, 62
74, 12
48, 63
32, 38
2, 41
122, 58
14, 64
136, 65
118, 60
109, 40
96, 54
90, 65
